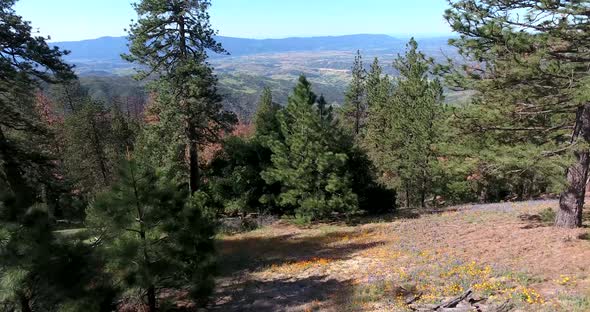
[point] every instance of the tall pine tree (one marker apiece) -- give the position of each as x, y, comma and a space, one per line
355, 105
171, 38
26, 167
529, 64
378, 100
308, 163
403, 130
265, 119
87, 137
378, 86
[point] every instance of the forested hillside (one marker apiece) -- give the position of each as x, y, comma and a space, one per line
319, 176
254, 64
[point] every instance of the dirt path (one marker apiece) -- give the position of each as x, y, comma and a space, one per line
505, 252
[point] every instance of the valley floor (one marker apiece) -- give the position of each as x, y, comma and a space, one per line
504, 252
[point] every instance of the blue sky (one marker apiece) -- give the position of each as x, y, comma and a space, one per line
66, 20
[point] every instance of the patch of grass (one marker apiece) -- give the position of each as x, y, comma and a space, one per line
302, 220
547, 215
297, 220
372, 292
472, 219
297, 267
523, 278
574, 303
369, 293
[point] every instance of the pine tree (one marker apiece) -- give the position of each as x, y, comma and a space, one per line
324, 110
529, 68
162, 126
25, 60
44, 272
234, 179
234, 174
378, 100
152, 237
267, 129
67, 96
403, 132
307, 163
87, 134
25, 160
355, 105
265, 119
171, 38
124, 130
378, 86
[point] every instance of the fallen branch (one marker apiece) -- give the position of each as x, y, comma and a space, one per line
416, 298
454, 302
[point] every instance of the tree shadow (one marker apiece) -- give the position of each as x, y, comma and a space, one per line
406, 213
254, 253
313, 293
533, 221
400, 214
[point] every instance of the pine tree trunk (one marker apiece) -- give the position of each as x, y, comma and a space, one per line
571, 201
193, 160
357, 121
151, 294
423, 197
194, 167
482, 194
192, 147
407, 197
99, 151
25, 305
69, 100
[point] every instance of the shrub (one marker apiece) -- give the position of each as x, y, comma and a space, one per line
547, 215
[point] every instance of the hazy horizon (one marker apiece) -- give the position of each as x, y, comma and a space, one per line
263, 19
401, 37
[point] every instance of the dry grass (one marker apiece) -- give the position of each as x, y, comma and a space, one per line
503, 252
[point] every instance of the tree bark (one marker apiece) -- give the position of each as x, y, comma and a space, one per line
571, 201
193, 159
99, 151
407, 197
423, 197
151, 294
25, 305
357, 121
191, 133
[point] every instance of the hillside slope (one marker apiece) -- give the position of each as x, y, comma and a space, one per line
504, 253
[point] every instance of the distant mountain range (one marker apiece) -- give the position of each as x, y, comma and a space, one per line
110, 48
